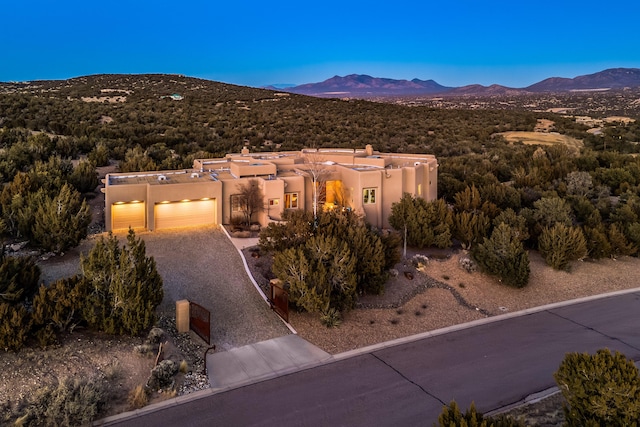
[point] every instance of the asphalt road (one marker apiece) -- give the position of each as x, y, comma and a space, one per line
494, 364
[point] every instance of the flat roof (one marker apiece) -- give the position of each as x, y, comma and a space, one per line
161, 178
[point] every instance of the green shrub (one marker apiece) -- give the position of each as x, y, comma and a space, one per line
504, 255
328, 264
59, 305
15, 326
124, 286
601, 389
18, 278
451, 416
331, 318
561, 244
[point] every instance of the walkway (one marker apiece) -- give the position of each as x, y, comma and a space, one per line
261, 361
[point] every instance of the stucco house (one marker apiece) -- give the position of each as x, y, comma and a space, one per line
360, 179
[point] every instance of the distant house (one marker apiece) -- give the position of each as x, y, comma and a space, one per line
175, 97
363, 180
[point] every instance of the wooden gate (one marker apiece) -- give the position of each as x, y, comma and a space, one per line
279, 299
200, 321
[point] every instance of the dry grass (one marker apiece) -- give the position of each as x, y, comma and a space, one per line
138, 397
542, 138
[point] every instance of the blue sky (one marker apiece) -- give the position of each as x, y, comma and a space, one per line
257, 43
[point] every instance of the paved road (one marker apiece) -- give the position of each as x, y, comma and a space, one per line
495, 364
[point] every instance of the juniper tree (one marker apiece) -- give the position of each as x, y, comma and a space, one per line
59, 304
620, 246
598, 245
84, 177
601, 389
124, 286
503, 255
19, 278
422, 223
296, 229
15, 326
469, 228
561, 244
61, 223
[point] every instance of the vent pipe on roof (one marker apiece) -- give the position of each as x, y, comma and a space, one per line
162, 178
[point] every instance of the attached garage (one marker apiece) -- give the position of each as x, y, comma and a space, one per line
185, 214
125, 215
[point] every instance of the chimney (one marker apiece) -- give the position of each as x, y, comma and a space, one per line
368, 149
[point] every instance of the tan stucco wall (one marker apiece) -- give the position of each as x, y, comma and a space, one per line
182, 191
279, 173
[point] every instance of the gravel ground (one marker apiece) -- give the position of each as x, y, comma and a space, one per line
203, 266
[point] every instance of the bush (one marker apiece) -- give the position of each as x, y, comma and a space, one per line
72, 402
124, 286
504, 256
162, 374
452, 417
328, 264
15, 326
331, 318
601, 389
138, 397
18, 278
561, 244
58, 306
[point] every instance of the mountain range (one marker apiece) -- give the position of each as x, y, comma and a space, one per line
364, 86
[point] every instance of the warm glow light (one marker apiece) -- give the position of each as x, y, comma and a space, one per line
185, 200
135, 201
205, 198
164, 202
119, 203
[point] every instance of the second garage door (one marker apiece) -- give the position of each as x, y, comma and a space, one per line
185, 214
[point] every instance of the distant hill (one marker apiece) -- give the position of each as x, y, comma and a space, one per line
360, 85
613, 78
364, 86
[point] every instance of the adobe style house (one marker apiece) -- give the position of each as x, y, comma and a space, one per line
363, 180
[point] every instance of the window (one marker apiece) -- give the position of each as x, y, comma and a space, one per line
274, 202
368, 196
291, 200
237, 203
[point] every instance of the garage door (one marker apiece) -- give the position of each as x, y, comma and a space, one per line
185, 214
127, 215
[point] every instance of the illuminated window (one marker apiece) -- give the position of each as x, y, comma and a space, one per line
291, 200
419, 189
237, 203
274, 202
368, 196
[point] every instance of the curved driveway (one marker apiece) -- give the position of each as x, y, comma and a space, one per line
495, 363
203, 266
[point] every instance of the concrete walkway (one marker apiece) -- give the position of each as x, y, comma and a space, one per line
261, 361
